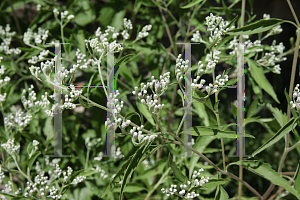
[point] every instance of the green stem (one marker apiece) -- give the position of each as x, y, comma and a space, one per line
28, 178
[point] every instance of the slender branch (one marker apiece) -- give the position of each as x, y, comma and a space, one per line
293, 12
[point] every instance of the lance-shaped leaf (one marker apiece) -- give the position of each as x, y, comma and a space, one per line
290, 125
193, 3
297, 179
177, 173
256, 27
132, 165
257, 74
216, 133
264, 170
221, 194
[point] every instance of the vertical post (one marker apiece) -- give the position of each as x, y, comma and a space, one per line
187, 100
57, 109
110, 137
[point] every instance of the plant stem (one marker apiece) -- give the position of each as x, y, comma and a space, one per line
28, 178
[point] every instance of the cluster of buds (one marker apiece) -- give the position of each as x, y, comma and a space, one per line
11, 148
39, 38
5, 81
31, 101
158, 87
17, 121
221, 80
64, 15
137, 136
39, 188
69, 98
212, 59
127, 26
296, 99
183, 187
39, 58
102, 173
82, 62
217, 27
180, 68
144, 32
6, 37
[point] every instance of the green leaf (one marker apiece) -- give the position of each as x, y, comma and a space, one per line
181, 95
257, 74
26, 49
297, 179
221, 194
193, 3
33, 158
200, 145
177, 173
51, 100
74, 175
131, 189
264, 170
215, 182
281, 133
215, 133
132, 165
123, 60
84, 104
252, 108
145, 112
234, 110
131, 114
9, 196
256, 27
279, 116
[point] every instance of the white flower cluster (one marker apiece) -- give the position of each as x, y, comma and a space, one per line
3, 82
197, 37
78, 179
127, 26
11, 148
2, 97
39, 188
217, 27
18, 120
91, 143
144, 32
6, 37
221, 80
7, 190
270, 59
39, 58
116, 105
212, 59
158, 87
31, 101
103, 174
295, 103
53, 193
82, 62
183, 188
39, 38
63, 15
46, 67
127, 23
180, 68
141, 138
69, 98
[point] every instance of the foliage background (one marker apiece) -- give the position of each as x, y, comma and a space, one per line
78, 124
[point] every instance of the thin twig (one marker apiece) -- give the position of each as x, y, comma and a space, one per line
293, 12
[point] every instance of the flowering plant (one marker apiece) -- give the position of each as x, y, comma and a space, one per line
123, 134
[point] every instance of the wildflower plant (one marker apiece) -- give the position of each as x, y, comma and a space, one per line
143, 106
